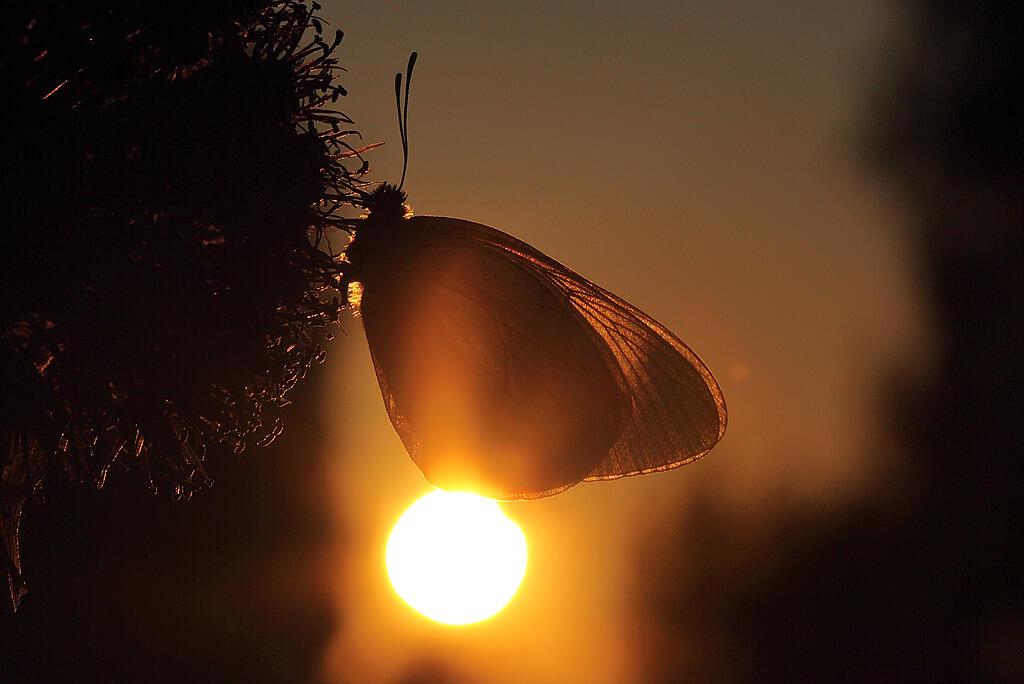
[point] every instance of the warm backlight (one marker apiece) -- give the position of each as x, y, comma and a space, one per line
456, 557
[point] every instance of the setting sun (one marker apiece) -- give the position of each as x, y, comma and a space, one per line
455, 557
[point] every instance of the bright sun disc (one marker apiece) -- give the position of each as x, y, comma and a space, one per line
456, 557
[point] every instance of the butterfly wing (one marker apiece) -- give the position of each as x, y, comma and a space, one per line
675, 409
492, 379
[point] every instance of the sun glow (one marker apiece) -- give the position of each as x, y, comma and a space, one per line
455, 557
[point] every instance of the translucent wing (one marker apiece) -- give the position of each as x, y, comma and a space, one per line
491, 377
675, 411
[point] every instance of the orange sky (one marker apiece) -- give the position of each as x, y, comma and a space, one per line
695, 158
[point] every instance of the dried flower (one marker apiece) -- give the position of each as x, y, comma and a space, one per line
171, 171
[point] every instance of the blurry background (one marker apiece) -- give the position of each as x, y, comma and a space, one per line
792, 190
707, 162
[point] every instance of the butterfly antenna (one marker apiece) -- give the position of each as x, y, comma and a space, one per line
403, 113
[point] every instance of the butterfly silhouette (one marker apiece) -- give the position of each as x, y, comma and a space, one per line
505, 372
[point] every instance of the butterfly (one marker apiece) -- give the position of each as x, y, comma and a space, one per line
505, 372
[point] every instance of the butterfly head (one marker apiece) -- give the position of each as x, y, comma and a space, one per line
385, 206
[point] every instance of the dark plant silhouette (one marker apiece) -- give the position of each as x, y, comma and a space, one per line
170, 174
921, 581
227, 587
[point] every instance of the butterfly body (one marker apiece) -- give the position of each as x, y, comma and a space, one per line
506, 373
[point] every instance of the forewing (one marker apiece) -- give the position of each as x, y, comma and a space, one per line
675, 409
491, 377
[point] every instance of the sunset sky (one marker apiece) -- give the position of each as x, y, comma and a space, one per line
698, 159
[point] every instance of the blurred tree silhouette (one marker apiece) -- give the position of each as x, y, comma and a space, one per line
170, 171
920, 582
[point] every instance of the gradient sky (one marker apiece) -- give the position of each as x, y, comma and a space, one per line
699, 159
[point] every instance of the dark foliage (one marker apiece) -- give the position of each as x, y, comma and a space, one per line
169, 173
921, 583
228, 587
